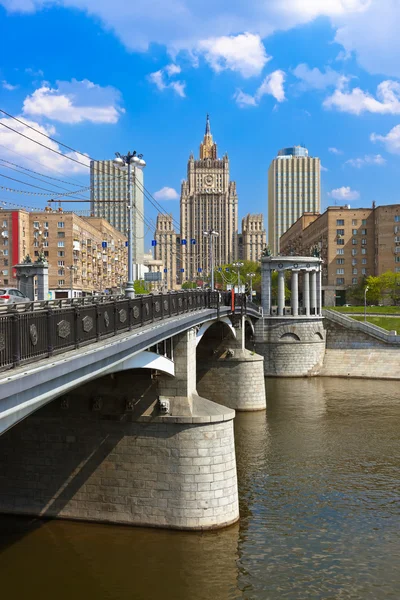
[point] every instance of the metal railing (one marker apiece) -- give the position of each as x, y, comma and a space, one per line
364, 327
41, 329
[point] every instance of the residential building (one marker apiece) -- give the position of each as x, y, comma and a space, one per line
253, 238
353, 244
85, 254
166, 249
294, 188
109, 200
208, 202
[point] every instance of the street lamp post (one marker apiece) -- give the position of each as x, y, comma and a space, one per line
123, 161
72, 268
238, 265
365, 303
251, 275
211, 234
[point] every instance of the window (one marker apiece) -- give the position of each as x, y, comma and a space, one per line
46, 234
354, 222
354, 231
340, 242
354, 281
61, 263
363, 232
363, 251
60, 244
354, 261
339, 250
5, 252
340, 281
339, 271
4, 223
60, 234
61, 272
354, 242
397, 259
5, 272
364, 261
45, 244
339, 231
36, 223
364, 241
340, 261
355, 271
36, 244
397, 218
60, 253
36, 252
6, 262
353, 252
60, 224
61, 282
364, 271
364, 222
339, 222
46, 224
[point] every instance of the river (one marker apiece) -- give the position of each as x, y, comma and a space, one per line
319, 485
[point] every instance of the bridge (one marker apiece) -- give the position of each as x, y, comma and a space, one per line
124, 407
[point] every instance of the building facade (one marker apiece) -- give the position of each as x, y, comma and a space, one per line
353, 243
85, 255
109, 200
208, 202
294, 188
166, 249
253, 238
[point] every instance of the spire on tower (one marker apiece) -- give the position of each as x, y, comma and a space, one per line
208, 128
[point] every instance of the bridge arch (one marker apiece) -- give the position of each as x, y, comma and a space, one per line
146, 360
205, 326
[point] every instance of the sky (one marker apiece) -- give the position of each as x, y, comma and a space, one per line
102, 77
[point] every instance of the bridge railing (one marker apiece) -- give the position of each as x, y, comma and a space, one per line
48, 329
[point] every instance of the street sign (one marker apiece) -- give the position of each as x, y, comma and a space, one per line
155, 276
154, 242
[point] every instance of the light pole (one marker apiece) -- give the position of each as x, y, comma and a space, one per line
211, 234
123, 161
72, 268
251, 275
238, 265
365, 303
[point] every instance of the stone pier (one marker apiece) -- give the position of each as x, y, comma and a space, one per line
291, 338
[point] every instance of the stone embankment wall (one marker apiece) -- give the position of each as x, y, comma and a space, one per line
100, 454
291, 347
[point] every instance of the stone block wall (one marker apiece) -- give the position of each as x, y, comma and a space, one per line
338, 336
291, 347
235, 379
89, 456
372, 363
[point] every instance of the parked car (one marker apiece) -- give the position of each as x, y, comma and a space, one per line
12, 296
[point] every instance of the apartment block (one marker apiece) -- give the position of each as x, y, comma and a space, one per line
167, 249
86, 255
353, 244
253, 238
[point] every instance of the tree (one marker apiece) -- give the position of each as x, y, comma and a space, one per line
189, 285
139, 287
391, 286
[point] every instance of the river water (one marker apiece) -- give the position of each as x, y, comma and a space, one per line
319, 485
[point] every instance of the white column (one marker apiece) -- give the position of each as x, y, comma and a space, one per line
313, 286
306, 292
266, 289
295, 293
319, 291
281, 292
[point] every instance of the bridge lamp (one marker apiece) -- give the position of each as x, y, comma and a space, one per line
238, 265
365, 303
251, 275
126, 162
210, 235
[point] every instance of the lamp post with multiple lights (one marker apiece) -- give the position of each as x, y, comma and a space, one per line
238, 265
210, 234
123, 162
251, 275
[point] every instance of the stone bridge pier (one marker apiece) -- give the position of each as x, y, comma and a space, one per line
105, 451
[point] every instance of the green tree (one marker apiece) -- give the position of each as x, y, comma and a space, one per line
189, 285
375, 289
391, 286
140, 287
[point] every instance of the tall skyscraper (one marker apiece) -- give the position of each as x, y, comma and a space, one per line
208, 202
166, 249
253, 238
109, 200
294, 187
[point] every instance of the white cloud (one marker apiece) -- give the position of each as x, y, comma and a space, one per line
334, 150
75, 102
166, 193
344, 193
391, 140
314, 79
324, 168
368, 159
29, 149
272, 85
244, 53
161, 80
8, 86
357, 101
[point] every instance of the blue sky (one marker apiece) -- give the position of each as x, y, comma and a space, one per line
102, 78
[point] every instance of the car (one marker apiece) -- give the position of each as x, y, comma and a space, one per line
12, 296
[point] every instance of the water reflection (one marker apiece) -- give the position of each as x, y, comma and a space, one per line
319, 497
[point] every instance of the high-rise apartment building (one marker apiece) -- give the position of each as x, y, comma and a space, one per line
88, 250
208, 202
166, 249
353, 243
253, 238
109, 200
294, 187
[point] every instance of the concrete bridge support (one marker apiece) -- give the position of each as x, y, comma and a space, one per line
104, 452
230, 374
